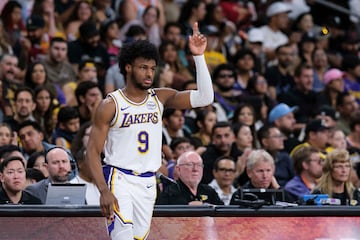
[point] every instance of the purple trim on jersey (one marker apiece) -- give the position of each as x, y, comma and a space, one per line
111, 227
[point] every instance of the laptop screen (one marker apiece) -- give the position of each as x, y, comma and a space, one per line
66, 194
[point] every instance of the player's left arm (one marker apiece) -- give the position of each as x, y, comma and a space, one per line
204, 95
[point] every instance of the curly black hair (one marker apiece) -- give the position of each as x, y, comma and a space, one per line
138, 49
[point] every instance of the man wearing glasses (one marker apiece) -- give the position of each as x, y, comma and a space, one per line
188, 190
224, 176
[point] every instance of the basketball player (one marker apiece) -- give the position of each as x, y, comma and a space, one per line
128, 122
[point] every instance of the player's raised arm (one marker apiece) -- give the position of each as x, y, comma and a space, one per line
204, 95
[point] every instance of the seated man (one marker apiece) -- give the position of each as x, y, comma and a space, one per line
308, 169
188, 189
13, 179
260, 168
58, 164
224, 175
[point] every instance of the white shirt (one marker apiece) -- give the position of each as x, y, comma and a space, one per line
223, 196
92, 192
272, 39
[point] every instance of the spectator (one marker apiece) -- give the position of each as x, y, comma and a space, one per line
173, 125
178, 146
224, 175
282, 116
334, 85
13, 179
337, 140
81, 138
346, 105
88, 97
33, 175
86, 72
302, 95
352, 139
68, 123
5, 44
24, 107
260, 168
172, 32
37, 161
38, 37
351, 65
317, 134
277, 14
328, 115
9, 72
81, 12
205, 121
45, 111
7, 136
58, 163
92, 196
224, 77
222, 144
109, 34
244, 62
87, 46
36, 75
11, 150
280, 77
320, 66
12, 20
335, 180
308, 169
32, 138
191, 12
59, 70
272, 140
168, 53
188, 189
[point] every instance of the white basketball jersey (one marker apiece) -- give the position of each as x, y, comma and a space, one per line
135, 135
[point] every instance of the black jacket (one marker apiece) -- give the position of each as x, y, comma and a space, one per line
180, 194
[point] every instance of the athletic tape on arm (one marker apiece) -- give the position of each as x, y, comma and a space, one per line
204, 95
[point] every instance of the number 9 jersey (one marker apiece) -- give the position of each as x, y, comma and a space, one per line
135, 134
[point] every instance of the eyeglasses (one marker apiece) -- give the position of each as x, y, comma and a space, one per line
226, 170
226, 75
192, 165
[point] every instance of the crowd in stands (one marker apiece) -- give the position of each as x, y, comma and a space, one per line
286, 78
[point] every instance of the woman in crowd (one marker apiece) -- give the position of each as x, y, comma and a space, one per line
37, 161
36, 76
12, 20
81, 13
335, 180
169, 54
45, 111
6, 135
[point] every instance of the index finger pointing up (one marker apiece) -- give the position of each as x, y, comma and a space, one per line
196, 28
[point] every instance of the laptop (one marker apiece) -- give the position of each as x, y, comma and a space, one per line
268, 195
66, 194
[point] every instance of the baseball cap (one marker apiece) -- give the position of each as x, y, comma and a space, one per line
316, 125
276, 8
328, 111
255, 35
35, 22
332, 74
88, 29
280, 110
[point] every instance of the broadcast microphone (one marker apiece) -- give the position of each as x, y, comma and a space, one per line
165, 178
